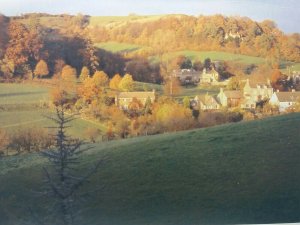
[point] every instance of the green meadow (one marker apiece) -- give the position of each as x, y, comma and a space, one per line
21, 106
117, 47
215, 56
239, 173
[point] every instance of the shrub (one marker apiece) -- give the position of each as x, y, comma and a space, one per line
30, 139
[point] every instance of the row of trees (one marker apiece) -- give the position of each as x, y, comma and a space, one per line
233, 34
28, 44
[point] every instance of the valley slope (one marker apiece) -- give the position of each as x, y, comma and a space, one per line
246, 172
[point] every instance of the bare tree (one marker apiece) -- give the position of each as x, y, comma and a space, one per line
61, 177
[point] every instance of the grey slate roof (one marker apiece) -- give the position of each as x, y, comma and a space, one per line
288, 96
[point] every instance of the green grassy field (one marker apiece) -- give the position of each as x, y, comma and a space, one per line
213, 55
232, 174
117, 47
22, 93
19, 108
141, 86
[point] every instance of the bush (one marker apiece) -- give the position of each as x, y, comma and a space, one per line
30, 139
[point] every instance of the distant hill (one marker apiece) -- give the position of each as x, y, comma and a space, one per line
181, 32
237, 173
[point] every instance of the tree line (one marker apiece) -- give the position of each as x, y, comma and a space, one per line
232, 34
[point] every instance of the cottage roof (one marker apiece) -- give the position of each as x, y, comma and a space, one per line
253, 84
186, 72
233, 94
137, 94
288, 96
206, 99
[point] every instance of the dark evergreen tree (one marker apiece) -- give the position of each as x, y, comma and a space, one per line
62, 176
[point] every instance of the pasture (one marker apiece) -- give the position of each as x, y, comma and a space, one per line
117, 47
213, 55
22, 105
239, 173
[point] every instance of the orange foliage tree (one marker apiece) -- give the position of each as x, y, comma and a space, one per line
100, 78
41, 69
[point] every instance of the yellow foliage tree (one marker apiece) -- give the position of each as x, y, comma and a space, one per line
115, 81
85, 73
126, 83
173, 117
68, 73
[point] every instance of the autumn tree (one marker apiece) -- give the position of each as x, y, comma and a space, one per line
30, 139
68, 73
100, 78
147, 106
4, 21
186, 102
172, 116
93, 89
135, 107
59, 96
69, 79
24, 46
234, 83
119, 121
89, 90
172, 86
275, 78
85, 73
126, 83
41, 69
115, 81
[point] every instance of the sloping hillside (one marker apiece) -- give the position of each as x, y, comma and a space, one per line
237, 173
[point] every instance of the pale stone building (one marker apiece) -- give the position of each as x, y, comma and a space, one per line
254, 93
123, 99
206, 102
209, 77
230, 98
285, 100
